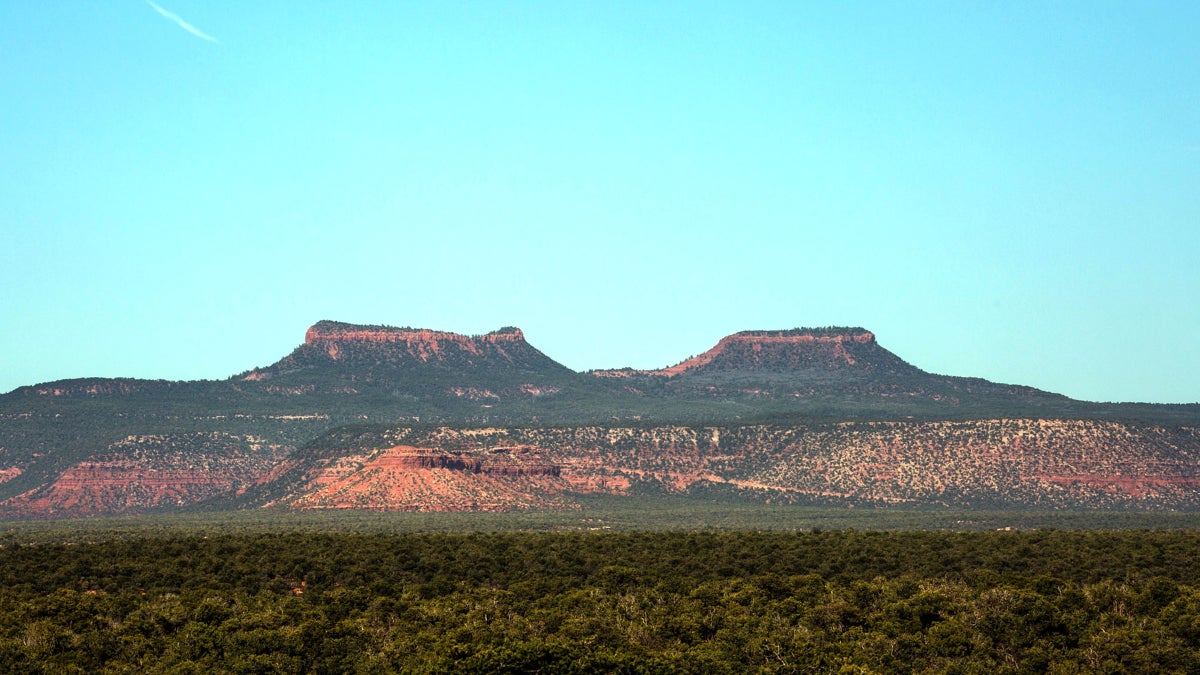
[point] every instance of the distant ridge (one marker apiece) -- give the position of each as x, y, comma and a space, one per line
835, 369
381, 417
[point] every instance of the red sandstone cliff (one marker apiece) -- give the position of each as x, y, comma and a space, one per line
781, 350
376, 353
408, 478
425, 345
141, 473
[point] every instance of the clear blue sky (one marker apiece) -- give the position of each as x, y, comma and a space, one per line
1008, 190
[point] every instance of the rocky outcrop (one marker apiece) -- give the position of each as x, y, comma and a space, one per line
146, 472
790, 350
1018, 463
382, 354
799, 349
424, 345
410, 478
411, 458
1074, 464
842, 369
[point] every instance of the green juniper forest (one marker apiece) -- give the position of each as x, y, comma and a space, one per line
404, 500
595, 602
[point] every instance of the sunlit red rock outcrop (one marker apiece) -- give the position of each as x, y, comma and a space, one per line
975, 464
408, 478
380, 354
424, 345
142, 473
783, 351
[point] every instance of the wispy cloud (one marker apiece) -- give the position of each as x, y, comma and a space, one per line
181, 23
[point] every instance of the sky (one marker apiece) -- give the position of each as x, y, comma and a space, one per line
1007, 190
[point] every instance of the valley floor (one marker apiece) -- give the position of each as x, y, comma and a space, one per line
596, 513
378, 594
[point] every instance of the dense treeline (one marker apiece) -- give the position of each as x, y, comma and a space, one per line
854, 601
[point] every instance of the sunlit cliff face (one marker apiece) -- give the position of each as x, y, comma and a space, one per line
781, 347
408, 478
423, 344
755, 349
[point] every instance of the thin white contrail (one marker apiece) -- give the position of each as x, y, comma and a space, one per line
182, 24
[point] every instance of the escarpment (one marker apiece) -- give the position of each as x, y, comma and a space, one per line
145, 473
975, 464
791, 350
421, 344
411, 478
427, 362
386, 418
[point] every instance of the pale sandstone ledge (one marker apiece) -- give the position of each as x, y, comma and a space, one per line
425, 344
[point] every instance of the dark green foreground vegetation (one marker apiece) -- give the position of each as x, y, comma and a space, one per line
821, 601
